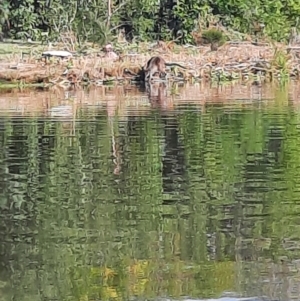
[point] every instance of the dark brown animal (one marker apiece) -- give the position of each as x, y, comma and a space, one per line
157, 65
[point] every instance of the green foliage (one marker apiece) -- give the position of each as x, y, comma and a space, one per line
213, 35
98, 21
281, 62
4, 13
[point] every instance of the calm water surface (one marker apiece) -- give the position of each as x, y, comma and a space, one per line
197, 201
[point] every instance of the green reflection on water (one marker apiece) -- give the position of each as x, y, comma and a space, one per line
178, 204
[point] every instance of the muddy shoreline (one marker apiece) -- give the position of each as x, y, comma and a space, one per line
242, 61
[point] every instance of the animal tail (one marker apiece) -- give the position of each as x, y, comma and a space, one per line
175, 64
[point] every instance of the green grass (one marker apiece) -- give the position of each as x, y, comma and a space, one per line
9, 85
19, 48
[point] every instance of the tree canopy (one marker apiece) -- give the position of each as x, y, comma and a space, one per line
97, 20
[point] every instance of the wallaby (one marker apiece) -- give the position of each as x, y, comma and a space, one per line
157, 64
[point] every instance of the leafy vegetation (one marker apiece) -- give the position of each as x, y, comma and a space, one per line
99, 21
213, 35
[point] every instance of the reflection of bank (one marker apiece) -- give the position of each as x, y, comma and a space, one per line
125, 123
173, 162
66, 116
116, 152
157, 96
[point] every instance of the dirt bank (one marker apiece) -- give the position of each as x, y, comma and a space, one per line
233, 61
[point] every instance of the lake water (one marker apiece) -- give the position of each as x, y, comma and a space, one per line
109, 195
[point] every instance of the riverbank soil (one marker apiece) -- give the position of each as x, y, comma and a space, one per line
22, 64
